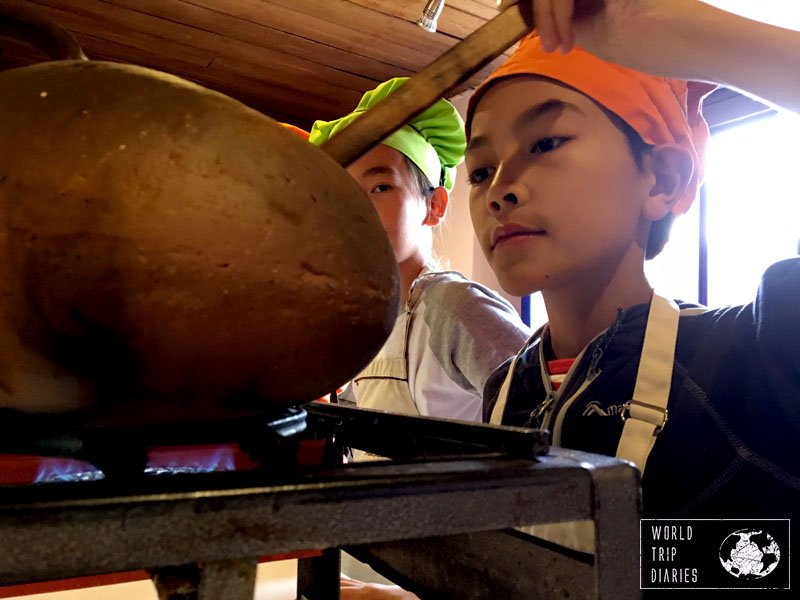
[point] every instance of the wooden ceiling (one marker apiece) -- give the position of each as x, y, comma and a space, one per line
296, 60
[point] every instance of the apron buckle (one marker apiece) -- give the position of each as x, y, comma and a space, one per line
655, 415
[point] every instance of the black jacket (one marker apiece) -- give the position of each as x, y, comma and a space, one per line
731, 446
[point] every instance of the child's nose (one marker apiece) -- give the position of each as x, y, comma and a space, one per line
507, 188
507, 200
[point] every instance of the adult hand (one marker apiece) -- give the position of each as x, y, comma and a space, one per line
684, 39
648, 35
352, 589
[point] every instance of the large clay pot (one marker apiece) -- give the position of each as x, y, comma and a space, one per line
169, 252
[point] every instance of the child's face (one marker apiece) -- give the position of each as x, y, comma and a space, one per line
556, 197
384, 175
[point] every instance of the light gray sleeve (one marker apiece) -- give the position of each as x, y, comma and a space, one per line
473, 330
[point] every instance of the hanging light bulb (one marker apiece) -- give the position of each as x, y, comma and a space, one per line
430, 15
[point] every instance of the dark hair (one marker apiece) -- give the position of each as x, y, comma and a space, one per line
424, 186
659, 230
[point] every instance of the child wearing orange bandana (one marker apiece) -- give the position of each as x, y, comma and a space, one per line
578, 167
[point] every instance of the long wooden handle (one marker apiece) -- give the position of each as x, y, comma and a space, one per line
434, 81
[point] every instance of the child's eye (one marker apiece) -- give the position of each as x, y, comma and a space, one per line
381, 187
547, 144
480, 175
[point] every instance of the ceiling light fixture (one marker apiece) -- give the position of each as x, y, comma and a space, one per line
430, 15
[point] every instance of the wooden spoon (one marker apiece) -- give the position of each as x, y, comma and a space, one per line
434, 81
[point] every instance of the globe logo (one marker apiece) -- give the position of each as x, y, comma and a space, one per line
749, 554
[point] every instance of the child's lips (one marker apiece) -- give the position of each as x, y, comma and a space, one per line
511, 231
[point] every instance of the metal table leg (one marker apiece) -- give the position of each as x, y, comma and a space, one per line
228, 580
318, 577
176, 582
510, 564
616, 518
233, 579
482, 566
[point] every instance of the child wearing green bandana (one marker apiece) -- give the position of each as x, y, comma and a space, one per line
451, 332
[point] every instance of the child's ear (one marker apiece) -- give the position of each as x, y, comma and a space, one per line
438, 207
671, 167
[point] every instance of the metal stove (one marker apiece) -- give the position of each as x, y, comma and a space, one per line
437, 517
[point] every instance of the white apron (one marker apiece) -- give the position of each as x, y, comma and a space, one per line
645, 415
385, 379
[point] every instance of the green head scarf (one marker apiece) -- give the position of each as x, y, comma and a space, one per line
434, 140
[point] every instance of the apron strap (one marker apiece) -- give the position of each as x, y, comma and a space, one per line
646, 413
499, 409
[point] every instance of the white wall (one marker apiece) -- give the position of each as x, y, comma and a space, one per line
783, 13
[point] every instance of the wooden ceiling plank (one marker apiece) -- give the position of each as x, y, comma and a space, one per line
375, 24
453, 22
346, 99
322, 30
272, 97
128, 49
81, 24
330, 33
484, 10
486, 3
116, 14
267, 44
296, 58
353, 15
257, 34
111, 14
391, 10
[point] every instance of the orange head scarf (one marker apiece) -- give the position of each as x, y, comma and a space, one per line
301, 132
660, 110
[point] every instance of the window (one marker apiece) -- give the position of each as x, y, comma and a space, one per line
752, 215
674, 273
784, 13
753, 204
